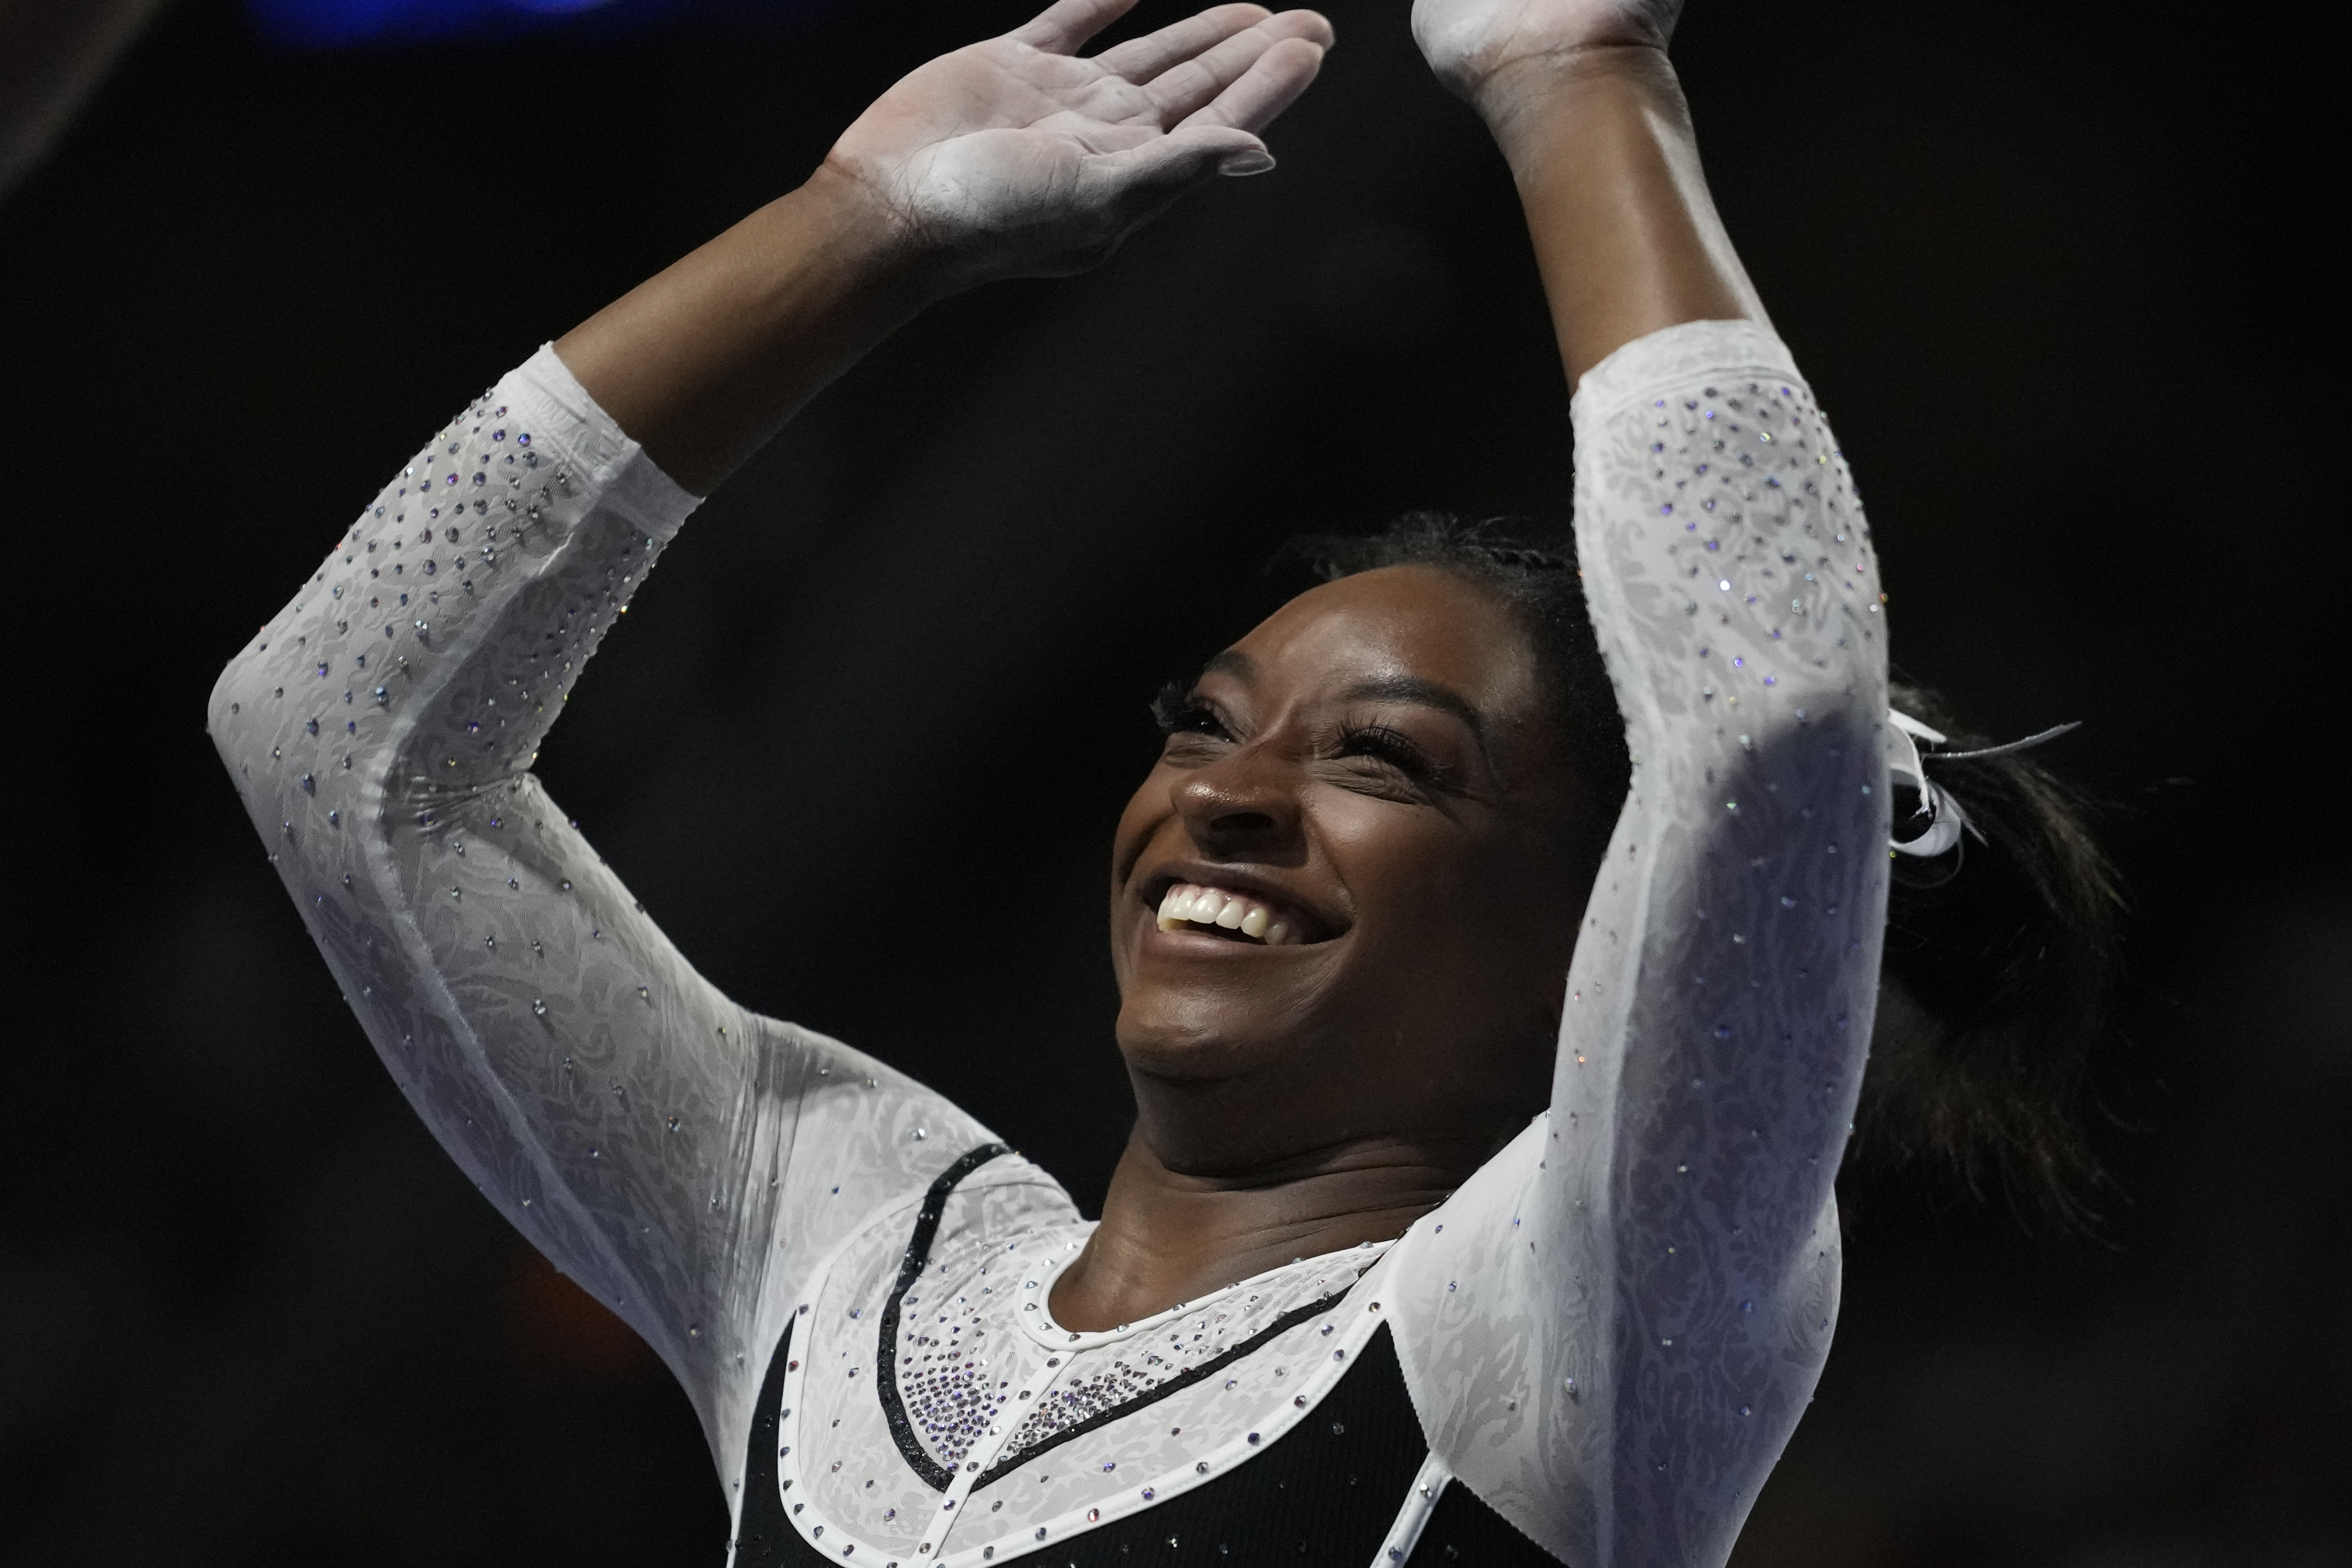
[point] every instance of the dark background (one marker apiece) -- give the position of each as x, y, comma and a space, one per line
2054, 270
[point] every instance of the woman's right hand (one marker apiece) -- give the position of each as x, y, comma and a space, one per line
1015, 157
1007, 159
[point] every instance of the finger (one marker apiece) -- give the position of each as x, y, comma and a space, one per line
1182, 89
1064, 27
1272, 84
1140, 60
1142, 181
1312, 25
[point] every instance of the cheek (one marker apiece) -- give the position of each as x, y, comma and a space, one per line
1149, 810
1483, 898
1406, 871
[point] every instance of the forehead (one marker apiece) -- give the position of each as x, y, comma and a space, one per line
1416, 621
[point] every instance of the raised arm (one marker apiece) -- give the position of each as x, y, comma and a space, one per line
1014, 157
686, 1160
1581, 98
1663, 1242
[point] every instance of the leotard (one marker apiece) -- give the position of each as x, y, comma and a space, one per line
1593, 1351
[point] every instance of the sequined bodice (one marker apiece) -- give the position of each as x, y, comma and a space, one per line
1606, 1335
933, 1408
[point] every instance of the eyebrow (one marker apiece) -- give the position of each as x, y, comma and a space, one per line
1380, 689
1233, 662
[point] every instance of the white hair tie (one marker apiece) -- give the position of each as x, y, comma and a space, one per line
1945, 818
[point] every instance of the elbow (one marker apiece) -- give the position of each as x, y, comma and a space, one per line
235, 717
231, 693
231, 711
245, 717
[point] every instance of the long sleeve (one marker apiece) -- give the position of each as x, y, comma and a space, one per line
1624, 1315
688, 1161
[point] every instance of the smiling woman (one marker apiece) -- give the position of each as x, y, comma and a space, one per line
1372, 771
1497, 960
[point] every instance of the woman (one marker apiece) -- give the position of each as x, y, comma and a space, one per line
1416, 1253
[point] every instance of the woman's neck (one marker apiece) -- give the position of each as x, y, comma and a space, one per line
1167, 1237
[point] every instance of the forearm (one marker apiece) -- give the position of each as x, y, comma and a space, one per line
377, 728
702, 364
1719, 1001
1600, 143
1012, 157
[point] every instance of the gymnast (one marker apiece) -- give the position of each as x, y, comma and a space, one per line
1499, 933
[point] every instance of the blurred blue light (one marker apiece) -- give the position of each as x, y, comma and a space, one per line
330, 24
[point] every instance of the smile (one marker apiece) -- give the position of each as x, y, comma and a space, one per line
1237, 916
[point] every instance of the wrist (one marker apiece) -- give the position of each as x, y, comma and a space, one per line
1527, 89
868, 243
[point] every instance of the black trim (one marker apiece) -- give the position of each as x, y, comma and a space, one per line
935, 1476
1185, 1379
764, 1536
1463, 1529
1322, 1495
1324, 1492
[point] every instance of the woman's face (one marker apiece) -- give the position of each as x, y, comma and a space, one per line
1391, 853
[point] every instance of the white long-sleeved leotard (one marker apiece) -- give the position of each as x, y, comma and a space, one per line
1607, 1335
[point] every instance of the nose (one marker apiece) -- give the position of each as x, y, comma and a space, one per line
1245, 806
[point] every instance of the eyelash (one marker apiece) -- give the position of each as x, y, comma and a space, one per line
1390, 746
1178, 711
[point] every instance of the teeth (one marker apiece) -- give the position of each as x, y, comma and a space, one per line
1185, 904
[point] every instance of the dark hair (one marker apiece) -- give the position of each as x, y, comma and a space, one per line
2002, 954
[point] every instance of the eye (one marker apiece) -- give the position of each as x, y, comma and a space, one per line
1180, 712
1392, 747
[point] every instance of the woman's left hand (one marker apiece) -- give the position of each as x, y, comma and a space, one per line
1470, 44
1016, 157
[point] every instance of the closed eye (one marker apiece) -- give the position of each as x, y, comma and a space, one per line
1393, 747
1182, 712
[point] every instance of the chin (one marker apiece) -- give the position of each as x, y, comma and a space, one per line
1186, 1035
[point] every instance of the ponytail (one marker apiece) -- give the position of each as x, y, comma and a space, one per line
2000, 965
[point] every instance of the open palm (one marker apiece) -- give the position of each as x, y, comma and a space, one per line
1015, 156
